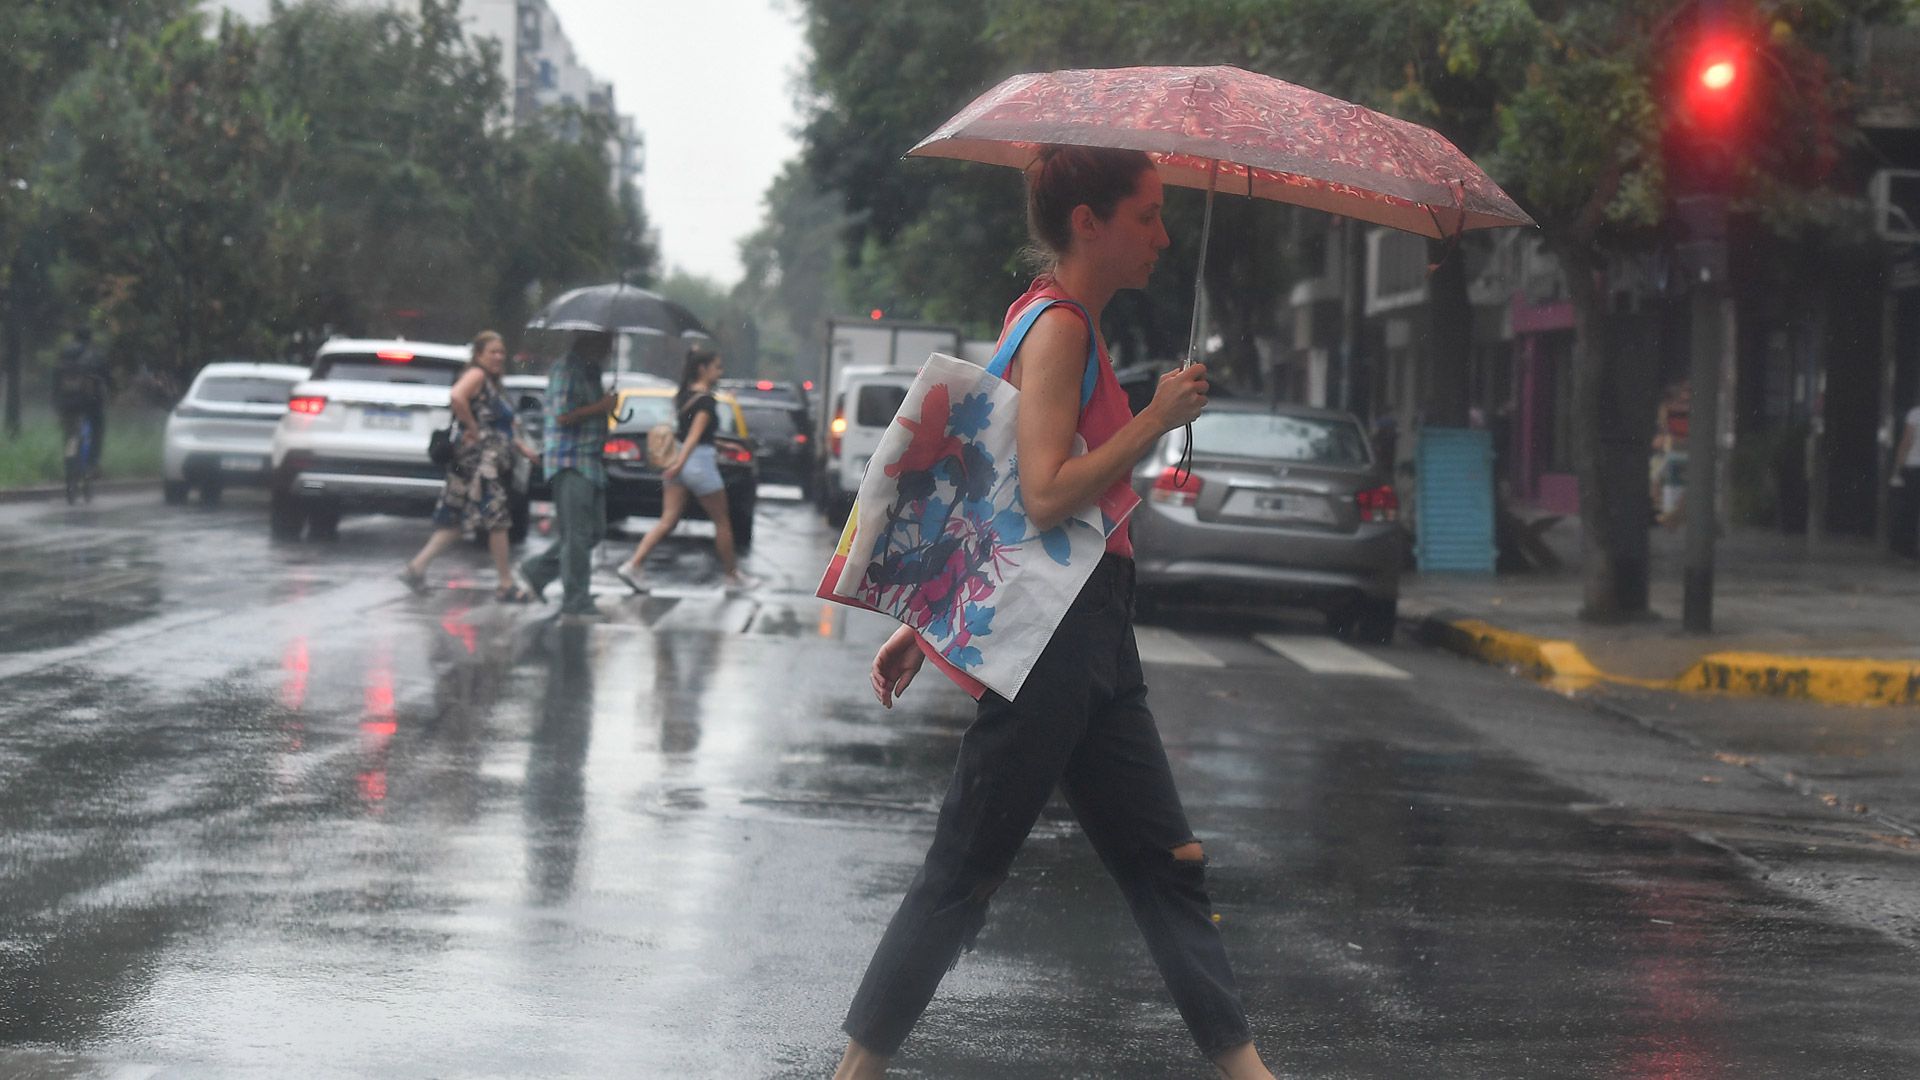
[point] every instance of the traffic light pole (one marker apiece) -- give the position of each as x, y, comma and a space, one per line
1712, 340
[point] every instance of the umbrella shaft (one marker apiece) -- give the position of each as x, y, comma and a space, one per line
1199, 326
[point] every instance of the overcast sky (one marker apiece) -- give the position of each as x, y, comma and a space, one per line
710, 83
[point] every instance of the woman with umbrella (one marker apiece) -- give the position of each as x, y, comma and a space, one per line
1080, 721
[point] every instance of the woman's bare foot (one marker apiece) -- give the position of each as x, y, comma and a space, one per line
860, 1063
1242, 1063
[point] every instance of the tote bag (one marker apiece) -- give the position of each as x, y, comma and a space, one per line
939, 537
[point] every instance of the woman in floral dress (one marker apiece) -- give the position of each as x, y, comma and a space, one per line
476, 494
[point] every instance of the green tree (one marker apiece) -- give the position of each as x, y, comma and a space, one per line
47, 44
167, 172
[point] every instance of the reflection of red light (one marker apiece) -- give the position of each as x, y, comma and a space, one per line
456, 623
380, 699
380, 729
293, 689
373, 785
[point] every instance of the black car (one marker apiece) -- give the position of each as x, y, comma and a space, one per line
780, 421
633, 486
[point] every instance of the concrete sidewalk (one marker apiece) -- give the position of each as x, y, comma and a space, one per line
1837, 624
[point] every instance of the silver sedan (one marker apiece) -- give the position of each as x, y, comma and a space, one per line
1284, 505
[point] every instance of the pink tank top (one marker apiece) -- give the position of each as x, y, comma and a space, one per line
1106, 413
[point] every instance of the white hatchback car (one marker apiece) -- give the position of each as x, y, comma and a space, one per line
355, 435
221, 433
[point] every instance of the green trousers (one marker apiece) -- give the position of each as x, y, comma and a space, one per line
579, 522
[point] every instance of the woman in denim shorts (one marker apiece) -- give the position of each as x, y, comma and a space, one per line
695, 472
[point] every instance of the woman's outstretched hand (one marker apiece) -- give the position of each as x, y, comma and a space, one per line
895, 665
1181, 395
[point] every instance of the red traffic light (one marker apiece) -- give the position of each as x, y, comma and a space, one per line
1719, 74
876, 314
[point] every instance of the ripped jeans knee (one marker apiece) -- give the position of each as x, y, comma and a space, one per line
965, 902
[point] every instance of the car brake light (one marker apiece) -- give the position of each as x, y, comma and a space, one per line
763, 384
398, 356
807, 386
311, 406
1175, 489
800, 439
738, 455
1378, 504
834, 431
622, 449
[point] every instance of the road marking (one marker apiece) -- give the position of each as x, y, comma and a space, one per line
1162, 646
1325, 657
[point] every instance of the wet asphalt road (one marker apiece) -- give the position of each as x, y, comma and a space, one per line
267, 815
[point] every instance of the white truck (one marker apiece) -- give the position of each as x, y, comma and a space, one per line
868, 365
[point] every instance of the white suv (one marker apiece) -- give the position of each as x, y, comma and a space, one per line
354, 438
222, 430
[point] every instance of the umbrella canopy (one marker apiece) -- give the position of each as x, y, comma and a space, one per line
1242, 133
616, 307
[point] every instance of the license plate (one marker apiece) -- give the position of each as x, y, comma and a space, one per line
1310, 508
386, 419
242, 463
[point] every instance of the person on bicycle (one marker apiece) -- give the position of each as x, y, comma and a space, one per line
81, 382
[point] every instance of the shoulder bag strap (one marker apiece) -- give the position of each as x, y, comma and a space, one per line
1003, 356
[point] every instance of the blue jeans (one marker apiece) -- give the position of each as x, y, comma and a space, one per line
1081, 721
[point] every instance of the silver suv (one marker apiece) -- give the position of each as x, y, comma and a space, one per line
220, 433
354, 438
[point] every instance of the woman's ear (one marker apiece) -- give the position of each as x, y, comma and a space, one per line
1085, 222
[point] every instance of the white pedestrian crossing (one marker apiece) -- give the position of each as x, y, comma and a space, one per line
1159, 645
1324, 656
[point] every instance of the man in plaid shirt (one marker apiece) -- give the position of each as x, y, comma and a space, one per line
579, 406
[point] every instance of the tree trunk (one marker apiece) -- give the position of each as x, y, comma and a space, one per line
10, 348
1613, 405
1449, 357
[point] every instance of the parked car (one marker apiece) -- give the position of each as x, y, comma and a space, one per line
528, 396
1285, 504
862, 409
633, 486
221, 432
781, 420
354, 438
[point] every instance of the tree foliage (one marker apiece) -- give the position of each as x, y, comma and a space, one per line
232, 190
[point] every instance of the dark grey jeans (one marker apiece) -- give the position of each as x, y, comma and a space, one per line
1081, 722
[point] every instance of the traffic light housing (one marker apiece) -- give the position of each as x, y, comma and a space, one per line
1710, 103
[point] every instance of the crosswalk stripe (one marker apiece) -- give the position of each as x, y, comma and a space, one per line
1325, 657
1162, 646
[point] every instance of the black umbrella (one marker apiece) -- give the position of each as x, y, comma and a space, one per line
616, 307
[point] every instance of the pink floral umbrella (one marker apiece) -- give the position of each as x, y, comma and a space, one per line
1226, 129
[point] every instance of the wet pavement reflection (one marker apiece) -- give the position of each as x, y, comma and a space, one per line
280, 818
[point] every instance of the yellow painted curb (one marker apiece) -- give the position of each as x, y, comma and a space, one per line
1561, 665
1807, 678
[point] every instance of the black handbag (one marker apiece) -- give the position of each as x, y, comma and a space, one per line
440, 446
